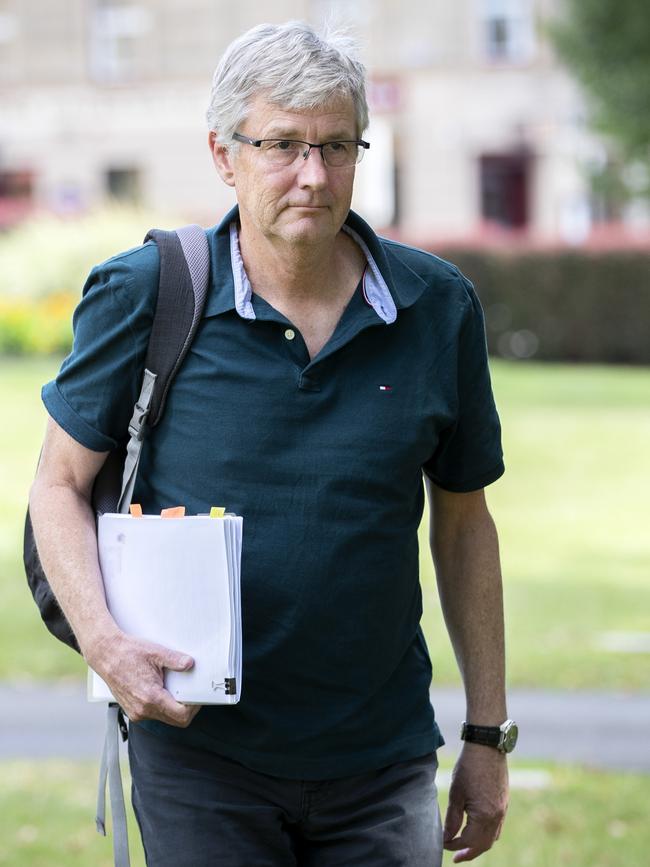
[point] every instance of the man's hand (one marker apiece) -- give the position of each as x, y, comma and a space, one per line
133, 669
479, 788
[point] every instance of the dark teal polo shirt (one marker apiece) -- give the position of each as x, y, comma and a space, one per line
324, 459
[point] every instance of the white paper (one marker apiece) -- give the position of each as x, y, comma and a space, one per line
175, 581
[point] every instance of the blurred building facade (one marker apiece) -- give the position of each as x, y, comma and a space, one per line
476, 128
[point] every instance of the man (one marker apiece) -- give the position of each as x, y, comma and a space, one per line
330, 369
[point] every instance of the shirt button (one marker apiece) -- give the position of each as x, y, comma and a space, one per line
289, 333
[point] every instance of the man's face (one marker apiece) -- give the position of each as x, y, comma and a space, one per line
304, 203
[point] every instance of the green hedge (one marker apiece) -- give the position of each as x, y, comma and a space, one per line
563, 305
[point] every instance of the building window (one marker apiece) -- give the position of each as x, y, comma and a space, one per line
504, 189
123, 184
116, 28
508, 30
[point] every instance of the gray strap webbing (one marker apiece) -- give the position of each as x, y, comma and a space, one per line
110, 762
110, 768
136, 438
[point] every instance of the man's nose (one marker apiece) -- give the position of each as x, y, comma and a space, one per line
312, 171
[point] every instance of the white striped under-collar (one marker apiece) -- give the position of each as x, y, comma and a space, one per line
375, 289
243, 288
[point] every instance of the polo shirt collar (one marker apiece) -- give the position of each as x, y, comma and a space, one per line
388, 284
375, 289
404, 284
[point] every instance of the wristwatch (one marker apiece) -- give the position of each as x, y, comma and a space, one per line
502, 738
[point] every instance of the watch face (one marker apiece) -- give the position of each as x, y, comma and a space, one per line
510, 737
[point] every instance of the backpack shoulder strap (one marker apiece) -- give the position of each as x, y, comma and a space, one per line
183, 285
182, 290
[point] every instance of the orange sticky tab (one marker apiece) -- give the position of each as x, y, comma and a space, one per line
136, 510
176, 512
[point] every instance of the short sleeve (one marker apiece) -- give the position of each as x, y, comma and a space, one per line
468, 455
94, 392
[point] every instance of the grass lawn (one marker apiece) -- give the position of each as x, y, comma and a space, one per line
583, 819
26, 650
571, 510
572, 513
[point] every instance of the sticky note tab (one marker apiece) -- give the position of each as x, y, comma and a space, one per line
136, 510
217, 511
175, 512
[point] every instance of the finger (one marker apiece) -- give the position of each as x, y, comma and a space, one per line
476, 838
194, 709
466, 855
453, 821
182, 718
173, 712
157, 704
173, 660
465, 852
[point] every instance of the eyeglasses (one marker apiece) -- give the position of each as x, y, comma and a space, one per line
283, 152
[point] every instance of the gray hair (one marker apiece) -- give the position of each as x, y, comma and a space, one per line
291, 66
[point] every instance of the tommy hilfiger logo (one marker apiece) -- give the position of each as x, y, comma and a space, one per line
385, 388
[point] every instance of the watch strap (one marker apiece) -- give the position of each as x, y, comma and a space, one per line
489, 736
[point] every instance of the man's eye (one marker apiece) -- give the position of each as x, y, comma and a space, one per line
336, 146
285, 145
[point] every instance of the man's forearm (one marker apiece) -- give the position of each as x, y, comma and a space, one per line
466, 555
64, 528
465, 550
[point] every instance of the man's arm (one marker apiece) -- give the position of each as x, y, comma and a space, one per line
64, 528
465, 552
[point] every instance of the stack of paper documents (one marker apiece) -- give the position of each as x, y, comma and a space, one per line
176, 581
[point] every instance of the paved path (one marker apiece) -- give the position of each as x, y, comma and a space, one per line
601, 730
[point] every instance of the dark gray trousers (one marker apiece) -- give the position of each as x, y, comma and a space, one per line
196, 809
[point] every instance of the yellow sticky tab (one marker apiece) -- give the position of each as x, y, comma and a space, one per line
136, 510
175, 512
217, 511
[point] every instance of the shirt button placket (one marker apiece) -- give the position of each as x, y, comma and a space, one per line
296, 349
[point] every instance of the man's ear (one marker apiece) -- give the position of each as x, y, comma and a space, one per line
222, 159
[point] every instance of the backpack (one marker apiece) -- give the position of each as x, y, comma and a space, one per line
182, 290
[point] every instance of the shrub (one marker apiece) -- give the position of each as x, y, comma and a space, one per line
563, 305
39, 326
45, 262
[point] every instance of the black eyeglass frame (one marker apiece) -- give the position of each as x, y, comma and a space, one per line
258, 142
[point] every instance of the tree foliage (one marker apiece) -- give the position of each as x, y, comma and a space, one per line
606, 43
